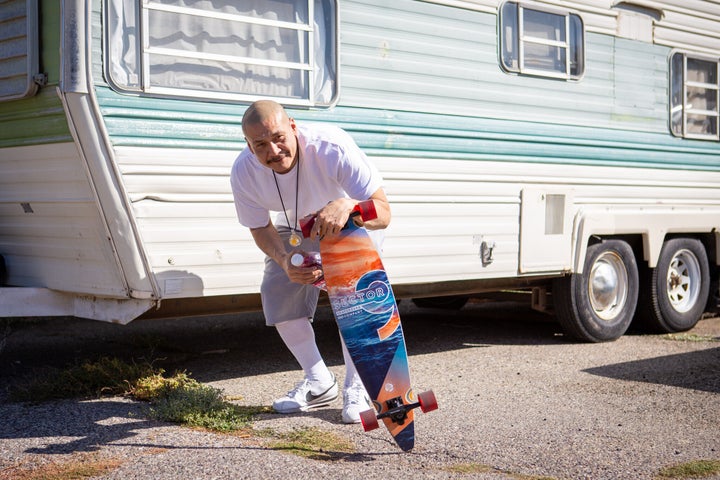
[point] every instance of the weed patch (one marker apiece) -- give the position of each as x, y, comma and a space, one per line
312, 443
76, 467
690, 337
156, 386
471, 468
694, 469
107, 376
177, 399
197, 405
478, 468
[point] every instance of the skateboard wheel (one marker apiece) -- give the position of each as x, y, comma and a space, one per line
369, 420
428, 402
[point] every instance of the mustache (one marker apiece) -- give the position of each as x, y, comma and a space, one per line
277, 158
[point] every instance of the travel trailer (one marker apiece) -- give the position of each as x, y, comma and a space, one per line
567, 149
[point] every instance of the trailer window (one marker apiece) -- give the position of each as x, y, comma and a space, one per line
540, 41
694, 91
19, 65
224, 49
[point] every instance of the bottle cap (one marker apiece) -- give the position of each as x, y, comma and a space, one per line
297, 259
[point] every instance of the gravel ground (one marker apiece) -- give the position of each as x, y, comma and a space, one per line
517, 400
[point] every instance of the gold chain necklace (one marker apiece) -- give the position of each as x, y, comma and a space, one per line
295, 237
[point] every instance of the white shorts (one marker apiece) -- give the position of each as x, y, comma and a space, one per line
282, 299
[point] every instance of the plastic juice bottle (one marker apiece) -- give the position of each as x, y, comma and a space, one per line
310, 259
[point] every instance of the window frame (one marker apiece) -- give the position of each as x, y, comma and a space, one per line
683, 106
521, 39
144, 51
31, 37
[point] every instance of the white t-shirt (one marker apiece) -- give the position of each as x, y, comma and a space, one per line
331, 166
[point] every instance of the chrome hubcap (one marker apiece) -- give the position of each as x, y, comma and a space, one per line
683, 286
608, 286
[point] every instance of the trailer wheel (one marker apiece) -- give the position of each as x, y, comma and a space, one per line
598, 305
675, 293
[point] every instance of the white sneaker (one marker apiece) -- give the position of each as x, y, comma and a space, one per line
302, 398
355, 400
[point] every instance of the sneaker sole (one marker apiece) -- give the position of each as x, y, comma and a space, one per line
314, 401
318, 402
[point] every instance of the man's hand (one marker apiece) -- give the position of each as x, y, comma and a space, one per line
269, 241
330, 219
304, 275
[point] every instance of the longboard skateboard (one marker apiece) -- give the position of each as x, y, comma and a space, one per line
367, 315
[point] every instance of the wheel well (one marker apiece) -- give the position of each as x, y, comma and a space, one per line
635, 241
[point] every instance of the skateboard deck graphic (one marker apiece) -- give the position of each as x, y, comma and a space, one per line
367, 315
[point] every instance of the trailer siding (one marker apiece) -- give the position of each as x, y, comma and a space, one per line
401, 74
52, 231
458, 140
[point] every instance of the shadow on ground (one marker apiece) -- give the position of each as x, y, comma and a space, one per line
242, 345
694, 370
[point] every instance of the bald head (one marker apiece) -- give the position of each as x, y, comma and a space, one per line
260, 111
271, 135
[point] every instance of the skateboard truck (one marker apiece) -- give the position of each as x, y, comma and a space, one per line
397, 411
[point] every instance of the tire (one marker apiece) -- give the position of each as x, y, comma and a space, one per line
598, 305
675, 293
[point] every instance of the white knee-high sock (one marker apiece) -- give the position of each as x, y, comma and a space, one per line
351, 375
299, 337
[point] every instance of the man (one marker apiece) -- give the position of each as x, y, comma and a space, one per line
297, 171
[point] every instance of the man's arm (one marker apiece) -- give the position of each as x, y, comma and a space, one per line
382, 207
268, 240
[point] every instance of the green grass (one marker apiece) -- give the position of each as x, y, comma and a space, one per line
471, 468
176, 399
694, 469
197, 405
312, 443
690, 337
478, 468
107, 376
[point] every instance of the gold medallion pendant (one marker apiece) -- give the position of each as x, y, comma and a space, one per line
295, 239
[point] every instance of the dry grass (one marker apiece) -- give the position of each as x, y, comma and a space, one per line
478, 468
690, 337
694, 469
77, 466
106, 376
311, 443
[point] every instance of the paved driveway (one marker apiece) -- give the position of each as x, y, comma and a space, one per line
516, 401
